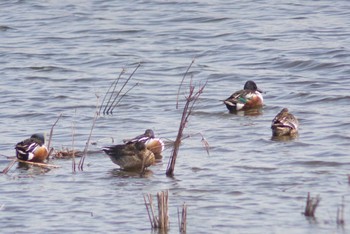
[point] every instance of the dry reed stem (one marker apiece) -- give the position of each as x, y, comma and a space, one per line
44, 165
51, 132
191, 99
114, 85
116, 104
7, 169
340, 214
82, 159
111, 104
148, 204
73, 134
311, 205
150, 210
163, 217
162, 221
182, 220
183, 78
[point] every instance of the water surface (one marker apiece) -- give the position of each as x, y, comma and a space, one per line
60, 58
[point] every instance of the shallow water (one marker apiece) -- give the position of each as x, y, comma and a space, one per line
57, 57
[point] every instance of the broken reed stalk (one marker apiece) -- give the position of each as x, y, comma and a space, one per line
163, 216
182, 219
311, 205
191, 100
340, 214
162, 221
150, 210
7, 169
44, 165
73, 155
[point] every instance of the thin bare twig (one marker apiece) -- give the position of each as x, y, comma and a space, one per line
121, 89
116, 104
114, 85
82, 159
340, 213
162, 221
73, 134
183, 78
51, 132
147, 204
191, 99
7, 169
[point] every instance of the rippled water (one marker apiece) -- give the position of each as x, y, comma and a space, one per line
57, 57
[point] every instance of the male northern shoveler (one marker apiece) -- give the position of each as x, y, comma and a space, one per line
152, 143
32, 149
249, 97
284, 124
130, 156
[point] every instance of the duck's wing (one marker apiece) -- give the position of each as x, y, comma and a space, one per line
25, 149
241, 96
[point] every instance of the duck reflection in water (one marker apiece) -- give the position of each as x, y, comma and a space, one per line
250, 112
121, 173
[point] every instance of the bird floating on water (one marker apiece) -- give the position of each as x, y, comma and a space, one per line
152, 143
32, 149
284, 124
247, 98
131, 156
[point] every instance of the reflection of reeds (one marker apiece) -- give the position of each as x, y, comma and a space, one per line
191, 100
162, 220
182, 219
311, 205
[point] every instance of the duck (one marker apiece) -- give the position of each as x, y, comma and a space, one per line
154, 144
131, 156
32, 149
284, 124
248, 98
